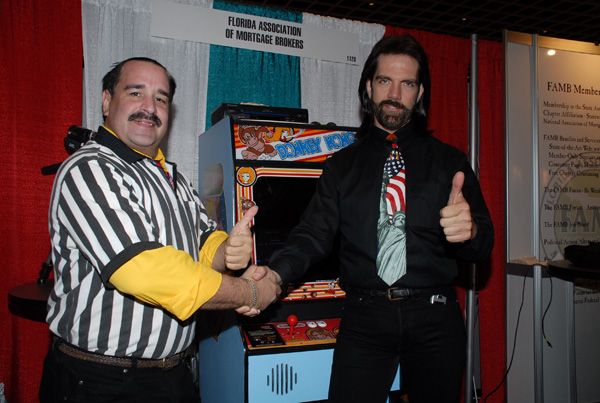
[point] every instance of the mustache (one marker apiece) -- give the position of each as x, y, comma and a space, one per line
141, 115
392, 103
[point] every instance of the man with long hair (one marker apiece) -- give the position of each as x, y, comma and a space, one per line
406, 207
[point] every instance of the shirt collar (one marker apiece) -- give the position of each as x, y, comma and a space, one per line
108, 138
405, 136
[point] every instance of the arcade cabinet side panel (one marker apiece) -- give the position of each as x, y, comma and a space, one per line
221, 358
216, 174
219, 340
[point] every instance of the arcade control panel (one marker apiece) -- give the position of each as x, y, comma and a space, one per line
308, 316
291, 333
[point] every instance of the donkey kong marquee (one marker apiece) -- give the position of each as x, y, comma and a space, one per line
281, 143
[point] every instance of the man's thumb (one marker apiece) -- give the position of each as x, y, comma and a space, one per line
457, 184
244, 223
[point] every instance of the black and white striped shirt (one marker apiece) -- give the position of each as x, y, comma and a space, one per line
110, 203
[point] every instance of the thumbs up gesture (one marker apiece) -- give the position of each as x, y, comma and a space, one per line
456, 218
238, 248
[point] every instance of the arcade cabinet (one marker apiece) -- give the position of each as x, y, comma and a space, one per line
285, 353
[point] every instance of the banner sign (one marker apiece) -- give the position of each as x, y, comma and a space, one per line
218, 27
569, 150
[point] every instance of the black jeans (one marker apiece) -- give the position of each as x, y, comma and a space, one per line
68, 379
429, 342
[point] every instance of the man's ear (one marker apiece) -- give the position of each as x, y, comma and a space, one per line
369, 88
106, 98
421, 91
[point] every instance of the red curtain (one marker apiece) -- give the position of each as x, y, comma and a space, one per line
492, 179
41, 79
41, 83
449, 60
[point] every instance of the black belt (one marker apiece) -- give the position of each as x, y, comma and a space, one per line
399, 294
125, 362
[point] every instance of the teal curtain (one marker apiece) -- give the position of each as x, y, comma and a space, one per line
242, 75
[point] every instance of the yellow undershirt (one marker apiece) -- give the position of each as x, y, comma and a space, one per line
170, 278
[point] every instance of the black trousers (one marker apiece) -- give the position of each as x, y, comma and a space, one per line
68, 379
427, 340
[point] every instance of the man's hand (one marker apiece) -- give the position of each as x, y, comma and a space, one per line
263, 277
456, 218
238, 248
259, 272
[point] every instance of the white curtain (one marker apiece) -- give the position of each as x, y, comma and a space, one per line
114, 30
330, 90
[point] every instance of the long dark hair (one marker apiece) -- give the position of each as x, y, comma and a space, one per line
395, 45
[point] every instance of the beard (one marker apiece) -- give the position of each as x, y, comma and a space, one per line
391, 121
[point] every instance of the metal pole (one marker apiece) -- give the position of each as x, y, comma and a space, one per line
474, 158
538, 353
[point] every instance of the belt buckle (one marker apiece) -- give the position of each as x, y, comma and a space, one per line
389, 294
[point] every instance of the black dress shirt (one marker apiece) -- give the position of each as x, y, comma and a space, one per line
346, 202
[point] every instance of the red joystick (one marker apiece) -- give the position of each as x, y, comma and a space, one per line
292, 320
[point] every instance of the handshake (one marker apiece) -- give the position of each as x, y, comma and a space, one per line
265, 287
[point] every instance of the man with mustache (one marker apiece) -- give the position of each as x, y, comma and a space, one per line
405, 206
135, 256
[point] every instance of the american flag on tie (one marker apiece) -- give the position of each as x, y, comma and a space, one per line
394, 167
394, 163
